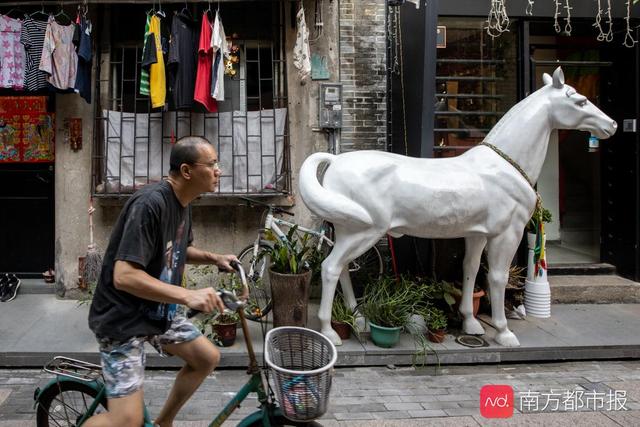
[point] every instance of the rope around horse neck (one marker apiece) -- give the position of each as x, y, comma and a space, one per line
513, 163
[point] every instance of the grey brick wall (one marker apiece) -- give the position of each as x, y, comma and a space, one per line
363, 74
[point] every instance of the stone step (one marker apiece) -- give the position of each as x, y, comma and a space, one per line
593, 289
36, 286
581, 269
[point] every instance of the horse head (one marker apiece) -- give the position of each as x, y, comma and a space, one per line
571, 110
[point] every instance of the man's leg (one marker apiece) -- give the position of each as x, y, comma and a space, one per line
123, 412
201, 357
123, 371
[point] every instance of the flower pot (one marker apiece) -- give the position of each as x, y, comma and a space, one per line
476, 301
290, 296
383, 336
226, 333
436, 336
342, 329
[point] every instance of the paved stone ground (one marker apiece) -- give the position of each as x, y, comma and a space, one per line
405, 396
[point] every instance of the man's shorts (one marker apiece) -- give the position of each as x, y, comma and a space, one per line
123, 361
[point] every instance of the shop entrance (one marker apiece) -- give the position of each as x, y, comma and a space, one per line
579, 185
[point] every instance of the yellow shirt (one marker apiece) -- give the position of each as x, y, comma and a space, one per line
157, 80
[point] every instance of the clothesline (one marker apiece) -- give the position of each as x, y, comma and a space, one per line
63, 3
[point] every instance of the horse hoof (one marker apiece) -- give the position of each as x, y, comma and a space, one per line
473, 327
507, 339
332, 336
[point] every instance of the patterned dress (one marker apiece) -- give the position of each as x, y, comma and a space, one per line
59, 57
11, 53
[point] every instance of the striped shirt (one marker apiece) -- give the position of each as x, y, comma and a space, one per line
32, 37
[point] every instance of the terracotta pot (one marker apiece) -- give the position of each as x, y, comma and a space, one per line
476, 302
290, 296
226, 333
436, 336
343, 330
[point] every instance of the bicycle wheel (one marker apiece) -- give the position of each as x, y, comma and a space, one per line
259, 304
65, 403
279, 420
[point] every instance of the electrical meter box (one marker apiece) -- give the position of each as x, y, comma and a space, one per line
330, 108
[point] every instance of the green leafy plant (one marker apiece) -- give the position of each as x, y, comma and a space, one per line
540, 213
342, 314
437, 320
295, 255
86, 297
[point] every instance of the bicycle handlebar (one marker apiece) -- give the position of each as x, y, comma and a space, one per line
274, 208
229, 299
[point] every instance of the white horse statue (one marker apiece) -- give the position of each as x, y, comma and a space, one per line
485, 195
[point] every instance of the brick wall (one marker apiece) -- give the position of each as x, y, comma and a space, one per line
363, 74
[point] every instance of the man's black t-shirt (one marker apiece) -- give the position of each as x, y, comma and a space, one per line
183, 60
153, 231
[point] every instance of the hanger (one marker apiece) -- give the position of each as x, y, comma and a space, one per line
62, 13
40, 12
185, 11
160, 12
16, 9
153, 8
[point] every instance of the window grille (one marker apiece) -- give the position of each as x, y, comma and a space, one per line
132, 142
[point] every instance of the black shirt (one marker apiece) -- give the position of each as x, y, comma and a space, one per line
83, 75
183, 61
153, 231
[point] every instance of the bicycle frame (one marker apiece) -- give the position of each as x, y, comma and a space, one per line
273, 223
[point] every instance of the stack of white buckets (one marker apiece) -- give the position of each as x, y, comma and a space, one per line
537, 293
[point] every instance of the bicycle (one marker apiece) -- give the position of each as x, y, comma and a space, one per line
78, 390
365, 267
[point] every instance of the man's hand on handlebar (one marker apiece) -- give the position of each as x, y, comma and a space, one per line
205, 300
224, 262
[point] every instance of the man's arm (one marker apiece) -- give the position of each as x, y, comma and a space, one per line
198, 256
131, 278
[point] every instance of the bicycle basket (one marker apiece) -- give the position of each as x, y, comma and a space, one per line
301, 361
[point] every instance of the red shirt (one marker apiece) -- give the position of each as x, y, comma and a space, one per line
202, 93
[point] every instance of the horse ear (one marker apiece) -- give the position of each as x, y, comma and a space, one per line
546, 79
558, 78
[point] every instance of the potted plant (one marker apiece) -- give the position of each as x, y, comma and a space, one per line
388, 304
437, 325
290, 272
343, 319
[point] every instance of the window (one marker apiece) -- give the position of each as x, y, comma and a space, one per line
476, 83
250, 130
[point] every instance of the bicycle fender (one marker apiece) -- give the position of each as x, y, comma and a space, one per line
252, 418
38, 392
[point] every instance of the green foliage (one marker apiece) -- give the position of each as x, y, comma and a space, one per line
437, 320
443, 293
293, 256
390, 303
540, 213
87, 296
342, 314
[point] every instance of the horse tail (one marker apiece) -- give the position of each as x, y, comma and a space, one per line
328, 205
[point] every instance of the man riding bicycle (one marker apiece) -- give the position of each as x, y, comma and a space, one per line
139, 289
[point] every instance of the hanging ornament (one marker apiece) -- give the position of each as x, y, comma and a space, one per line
602, 36
497, 21
567, 26
556, 24
529, 10
629, 41
231, 60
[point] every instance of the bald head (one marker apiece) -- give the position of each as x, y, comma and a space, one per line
186, 150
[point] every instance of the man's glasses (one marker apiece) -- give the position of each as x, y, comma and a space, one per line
213, 165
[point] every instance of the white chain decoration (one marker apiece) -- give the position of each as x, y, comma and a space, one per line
567, 27
497, 21
529, 10
629, 41
556, 24
602, 36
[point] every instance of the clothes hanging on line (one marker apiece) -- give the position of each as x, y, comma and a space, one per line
157, 76
59, 58
12, 55
85, 56
148, 57
202, 92
32, 38
182, 63
220, 50
301, 55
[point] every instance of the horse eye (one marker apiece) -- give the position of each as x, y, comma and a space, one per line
582, 103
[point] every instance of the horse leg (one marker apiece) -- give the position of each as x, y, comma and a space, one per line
473, 251
500, 251
350, 297
347, 247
